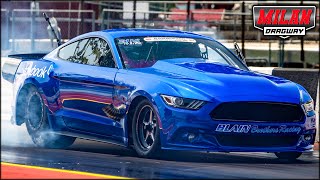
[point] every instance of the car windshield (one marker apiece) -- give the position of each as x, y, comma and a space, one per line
141, 52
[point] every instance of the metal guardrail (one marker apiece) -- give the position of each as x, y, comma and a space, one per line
107, 12
108, 20
51, 10
233, 19
220, 2
148, 12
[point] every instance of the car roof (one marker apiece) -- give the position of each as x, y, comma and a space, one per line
135, 32
123, 32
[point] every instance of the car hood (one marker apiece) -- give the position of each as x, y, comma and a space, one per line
221, 81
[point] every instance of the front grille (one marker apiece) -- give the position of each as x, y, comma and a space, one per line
257, 141
258, 111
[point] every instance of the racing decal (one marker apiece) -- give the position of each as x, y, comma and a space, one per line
284, 21
129, 42
31, 70
280, 129
235, 128
176, 39
228, 128
113, 112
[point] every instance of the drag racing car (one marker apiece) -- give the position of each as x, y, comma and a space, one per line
157, 89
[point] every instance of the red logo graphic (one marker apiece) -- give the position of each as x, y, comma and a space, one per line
284, 21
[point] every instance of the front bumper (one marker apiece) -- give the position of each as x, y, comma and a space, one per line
197, 131
203, 140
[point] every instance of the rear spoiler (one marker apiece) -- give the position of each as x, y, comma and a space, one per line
28, 56
12, 62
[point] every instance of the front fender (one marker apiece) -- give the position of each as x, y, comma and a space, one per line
130, 85
151, 98
304, 95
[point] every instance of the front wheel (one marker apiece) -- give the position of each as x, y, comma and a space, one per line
288, 155
38, 126
145, 130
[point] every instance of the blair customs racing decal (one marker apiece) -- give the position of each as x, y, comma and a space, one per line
284, 21
236, 128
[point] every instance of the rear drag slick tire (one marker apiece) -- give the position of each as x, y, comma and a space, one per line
37, 123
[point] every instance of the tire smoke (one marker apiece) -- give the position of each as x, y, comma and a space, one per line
11, 135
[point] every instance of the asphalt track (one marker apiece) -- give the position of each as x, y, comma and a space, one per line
101, 158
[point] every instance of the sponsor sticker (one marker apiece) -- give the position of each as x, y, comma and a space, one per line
127, 42
284, 21
254, 129
35, 71
175, 39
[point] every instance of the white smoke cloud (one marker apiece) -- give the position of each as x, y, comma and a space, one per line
11, 135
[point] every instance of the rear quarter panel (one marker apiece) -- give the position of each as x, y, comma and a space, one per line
36, 73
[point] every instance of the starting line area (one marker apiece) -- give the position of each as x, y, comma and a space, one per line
18, 171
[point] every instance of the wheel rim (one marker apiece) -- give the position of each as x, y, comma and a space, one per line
146, 127
35, 111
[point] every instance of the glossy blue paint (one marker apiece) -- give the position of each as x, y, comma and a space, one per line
75, 95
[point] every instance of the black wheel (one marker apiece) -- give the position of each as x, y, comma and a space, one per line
145, 130
37, 123
288, 155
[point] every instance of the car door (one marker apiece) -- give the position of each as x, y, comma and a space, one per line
86, 72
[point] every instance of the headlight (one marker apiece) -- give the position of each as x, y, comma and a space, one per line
309, 106
183, 102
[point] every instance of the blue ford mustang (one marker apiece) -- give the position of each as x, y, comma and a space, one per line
157, 89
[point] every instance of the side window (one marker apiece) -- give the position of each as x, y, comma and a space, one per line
91, 51
81, 49
211, 55
99, 53
74, 52
68, 51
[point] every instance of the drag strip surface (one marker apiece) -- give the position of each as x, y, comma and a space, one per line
19, 171
108, 159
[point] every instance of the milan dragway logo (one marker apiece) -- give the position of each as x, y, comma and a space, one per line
284, 21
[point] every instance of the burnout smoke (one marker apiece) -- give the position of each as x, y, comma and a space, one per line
11, 135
